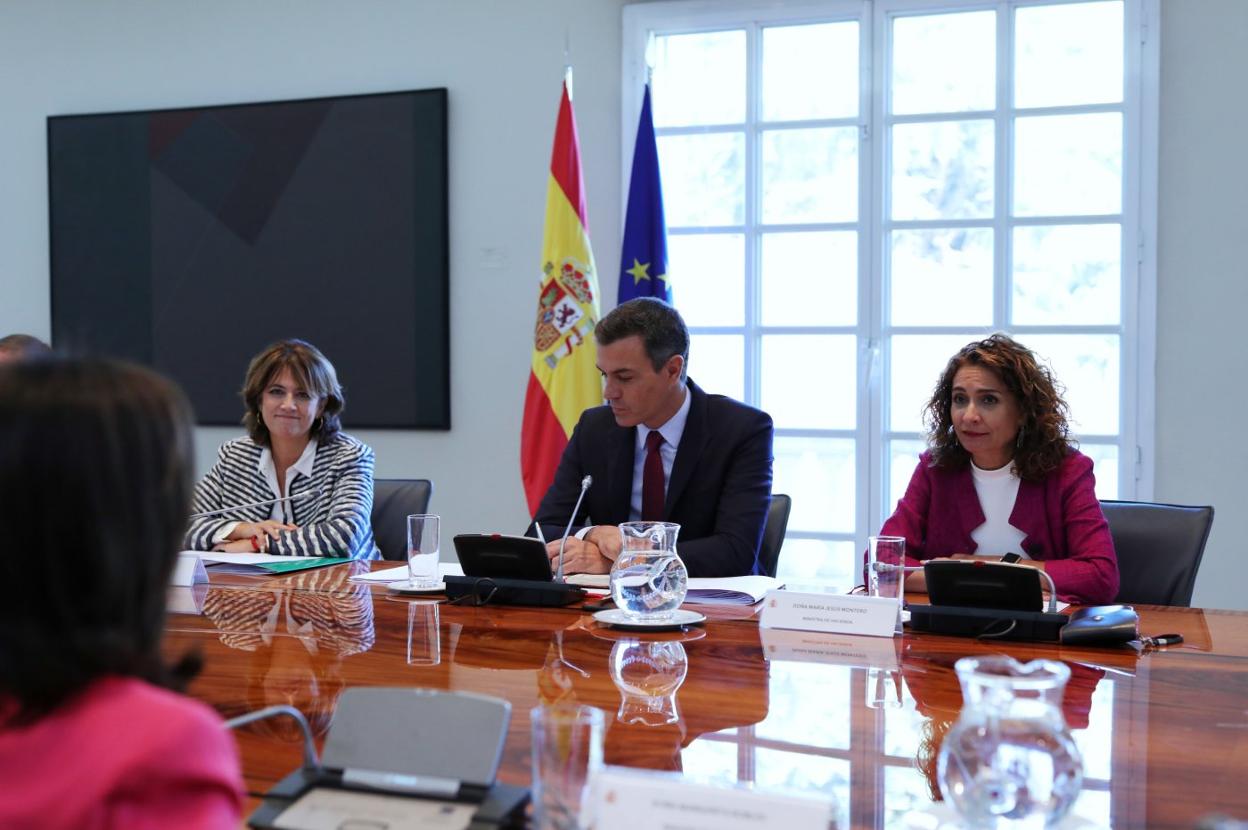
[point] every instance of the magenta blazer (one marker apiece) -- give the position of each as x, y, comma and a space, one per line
122, 755
1060, 516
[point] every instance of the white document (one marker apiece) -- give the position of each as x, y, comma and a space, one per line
326, 809
732, 590
836, 613
622, 799
188, 570
831, 649
400, 574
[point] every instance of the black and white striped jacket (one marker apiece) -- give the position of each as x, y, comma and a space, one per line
335, 522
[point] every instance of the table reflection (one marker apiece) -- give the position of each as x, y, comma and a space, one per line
298, 629
648, 675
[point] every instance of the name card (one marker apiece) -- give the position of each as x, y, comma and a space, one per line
623, 799
189, 570
835, 613
829, 649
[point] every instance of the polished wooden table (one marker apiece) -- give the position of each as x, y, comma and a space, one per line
1164, 734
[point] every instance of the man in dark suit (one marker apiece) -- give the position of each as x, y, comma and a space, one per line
710, 471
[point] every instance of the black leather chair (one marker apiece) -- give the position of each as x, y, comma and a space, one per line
1159, 547
394, 499
773, 532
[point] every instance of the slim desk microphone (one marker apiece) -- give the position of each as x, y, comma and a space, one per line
585, 482
306, 494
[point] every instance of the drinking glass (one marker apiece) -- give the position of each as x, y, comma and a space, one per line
567, 749
424, 634
648, 580
886, 558
422, 550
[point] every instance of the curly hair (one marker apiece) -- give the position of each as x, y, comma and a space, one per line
311, 369
1043, 439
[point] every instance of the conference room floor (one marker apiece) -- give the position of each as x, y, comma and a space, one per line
1164, 734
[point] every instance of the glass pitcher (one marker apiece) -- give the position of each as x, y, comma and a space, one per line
1010, 760
648, 674
648, 579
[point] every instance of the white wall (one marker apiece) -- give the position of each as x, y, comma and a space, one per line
1202, 291
502, 62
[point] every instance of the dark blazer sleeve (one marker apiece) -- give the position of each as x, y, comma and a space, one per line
556, 506
731, 549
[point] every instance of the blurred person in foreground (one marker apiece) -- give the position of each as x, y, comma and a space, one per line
1001, 475
17, 347
95, 461
317, 480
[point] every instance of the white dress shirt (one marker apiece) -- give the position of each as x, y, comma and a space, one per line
280, 511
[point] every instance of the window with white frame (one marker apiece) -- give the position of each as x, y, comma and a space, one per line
855, 190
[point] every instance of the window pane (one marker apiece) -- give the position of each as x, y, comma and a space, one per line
788, 716
809, 380
1104, 467
1067, 274
793, 772
703, 178
819, 474
1087, 365
794, 56
917, 361
941, 277
810, 279
944, 62
699, 79
903, 457
1068, 54
1068, 164
708, 278
710, 762
942, 170
810, 175
818, 562
717, 363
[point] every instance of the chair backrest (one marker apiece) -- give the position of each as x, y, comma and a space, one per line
394, 499
773, 532
1159, 547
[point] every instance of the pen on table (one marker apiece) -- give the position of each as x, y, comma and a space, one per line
541, 536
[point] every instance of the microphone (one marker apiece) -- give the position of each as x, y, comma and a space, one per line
306, 494
310, 762
585, 482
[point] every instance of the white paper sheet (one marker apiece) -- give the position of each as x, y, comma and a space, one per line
400, 573
326, 809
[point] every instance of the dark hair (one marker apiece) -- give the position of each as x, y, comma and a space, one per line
661, 328
23, 345
310, 369
1043, 438
95, 465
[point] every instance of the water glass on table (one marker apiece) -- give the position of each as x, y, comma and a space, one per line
422, 550
886, 559
567, 749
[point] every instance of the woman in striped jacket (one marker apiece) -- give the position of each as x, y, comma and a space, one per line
295, 453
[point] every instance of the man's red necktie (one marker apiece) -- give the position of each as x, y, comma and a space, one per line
652, 480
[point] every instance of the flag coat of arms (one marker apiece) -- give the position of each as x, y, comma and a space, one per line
564, 380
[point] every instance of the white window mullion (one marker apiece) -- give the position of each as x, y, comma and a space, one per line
1003, 234
874, 313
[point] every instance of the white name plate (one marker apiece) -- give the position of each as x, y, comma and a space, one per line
829, 649
835, 613
189, 570
623, 799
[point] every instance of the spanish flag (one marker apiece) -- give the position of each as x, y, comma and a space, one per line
564, 379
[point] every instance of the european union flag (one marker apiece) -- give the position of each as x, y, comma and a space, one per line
643, 262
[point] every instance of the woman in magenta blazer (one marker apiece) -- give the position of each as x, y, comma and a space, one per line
1002, 476
94, 490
